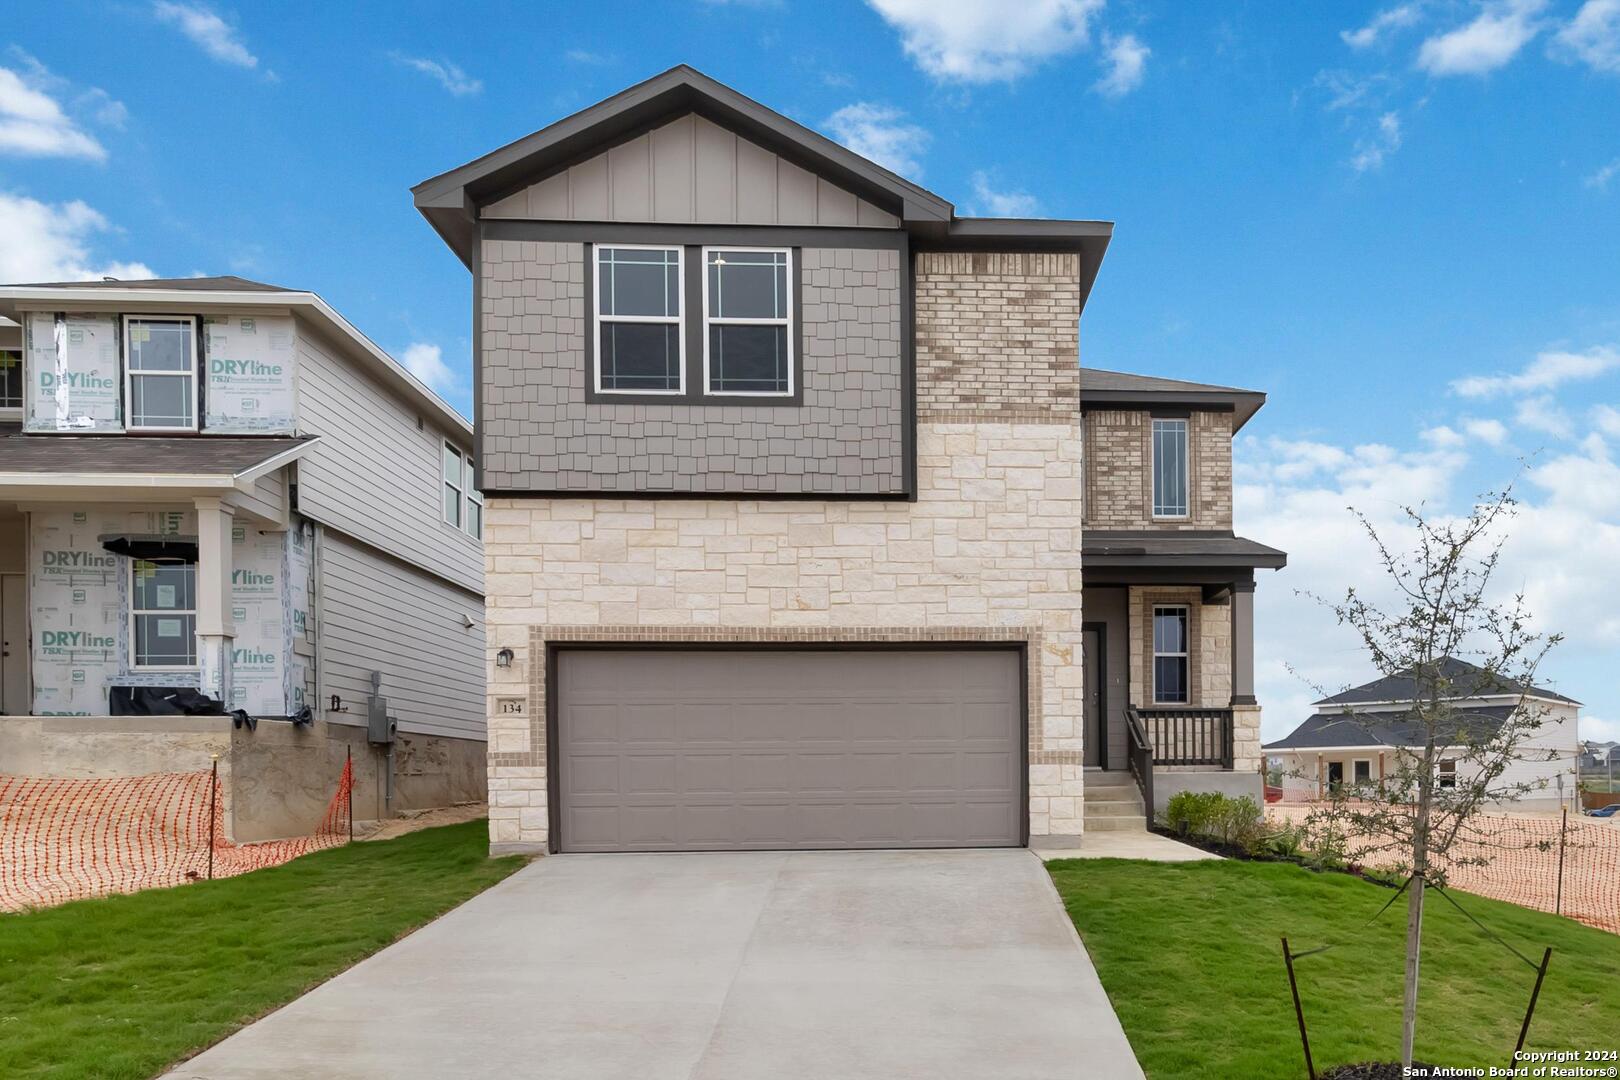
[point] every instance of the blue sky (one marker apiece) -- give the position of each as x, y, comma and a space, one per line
1400, 220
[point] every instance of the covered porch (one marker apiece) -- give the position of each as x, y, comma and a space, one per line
1169, 660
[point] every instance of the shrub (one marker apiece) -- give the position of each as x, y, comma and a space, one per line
1193, 813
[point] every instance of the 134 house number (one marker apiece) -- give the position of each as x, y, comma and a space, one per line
509, 706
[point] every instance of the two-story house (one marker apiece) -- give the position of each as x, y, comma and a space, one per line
218, 496
806, 528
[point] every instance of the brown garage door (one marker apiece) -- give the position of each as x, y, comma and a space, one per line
665, 750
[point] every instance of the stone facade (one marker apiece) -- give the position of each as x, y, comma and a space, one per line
998, 336
540, 432
1119, 478
989, 551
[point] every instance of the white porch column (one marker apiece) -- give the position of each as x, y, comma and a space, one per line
215, 629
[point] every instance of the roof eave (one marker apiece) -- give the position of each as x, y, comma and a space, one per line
1243, 404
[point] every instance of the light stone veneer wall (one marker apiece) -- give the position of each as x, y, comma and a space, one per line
989, 551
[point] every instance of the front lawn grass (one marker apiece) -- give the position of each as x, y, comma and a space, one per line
1191, 958
127, 985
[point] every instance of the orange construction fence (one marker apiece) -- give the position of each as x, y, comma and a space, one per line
65, 839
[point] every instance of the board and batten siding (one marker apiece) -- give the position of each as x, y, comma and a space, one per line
690, 170
375, 474
377, 615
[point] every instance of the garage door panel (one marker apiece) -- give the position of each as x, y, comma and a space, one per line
674, 749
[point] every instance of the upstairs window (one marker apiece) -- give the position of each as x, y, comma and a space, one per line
748, 313
1447, 773
1170, 678
161, 372
639, 346
1170, 468
163, 613
463, 504
11, 386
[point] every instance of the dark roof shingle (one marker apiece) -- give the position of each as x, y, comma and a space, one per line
223, 283
225, 455
1468, 680
1327, 729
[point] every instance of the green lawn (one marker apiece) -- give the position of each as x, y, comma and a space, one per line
1191, 958
124, 986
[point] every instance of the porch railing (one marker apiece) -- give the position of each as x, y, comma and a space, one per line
1179, 736
1139, 758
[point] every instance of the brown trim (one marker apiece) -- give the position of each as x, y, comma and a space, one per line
783, 641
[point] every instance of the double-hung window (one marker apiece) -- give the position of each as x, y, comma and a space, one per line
463, 503
748, 317
1170, 468
160, 366
1446, 772
163, 613
639, 345
1170, 676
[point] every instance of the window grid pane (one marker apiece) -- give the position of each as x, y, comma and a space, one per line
161, 400
163, 605
1170, 468
638, 309
748, 317
1171, 681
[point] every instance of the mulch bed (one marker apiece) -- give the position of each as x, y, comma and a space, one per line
1375, 1070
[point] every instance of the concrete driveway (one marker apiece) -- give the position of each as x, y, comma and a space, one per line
926, 964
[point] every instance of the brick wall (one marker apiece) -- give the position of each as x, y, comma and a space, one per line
541, 434
998, 336
1119, 481
989, 551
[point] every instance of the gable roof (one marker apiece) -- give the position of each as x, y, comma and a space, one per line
1469, 680
182, 295
1118, 389
1335, 729
450, 201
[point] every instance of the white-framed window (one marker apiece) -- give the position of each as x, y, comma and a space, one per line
1446, 773
163, 613
639, 346
463, 503
1170, 468
748, 321
160, 372
1361, 772
1170, 655
11, 380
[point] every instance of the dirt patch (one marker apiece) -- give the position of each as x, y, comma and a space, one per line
409, 821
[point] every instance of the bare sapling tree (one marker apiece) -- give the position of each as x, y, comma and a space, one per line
1443, 640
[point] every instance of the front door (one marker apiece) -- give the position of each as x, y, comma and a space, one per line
13, 647
1096, 753
1335, 775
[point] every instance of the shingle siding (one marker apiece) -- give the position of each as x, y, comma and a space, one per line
540, 433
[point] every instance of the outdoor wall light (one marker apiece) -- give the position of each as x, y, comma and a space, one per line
503, 658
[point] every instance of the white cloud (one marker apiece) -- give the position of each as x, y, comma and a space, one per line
1491, 432
1002, 203
1600, 179
1374, 148
33, 124
1127, 63
448, 75
1548, 371
585, 56
51, 242
1599, 729
1443, 436
879, 132
1346, 90
981, 41
1592, 36
206, 30
1493, 39
1394, 18
1543, 414
426, 362
1606, 418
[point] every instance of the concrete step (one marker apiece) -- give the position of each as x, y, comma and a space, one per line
1133, 823
1113, 808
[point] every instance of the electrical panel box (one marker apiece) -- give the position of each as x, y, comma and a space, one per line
379, 725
